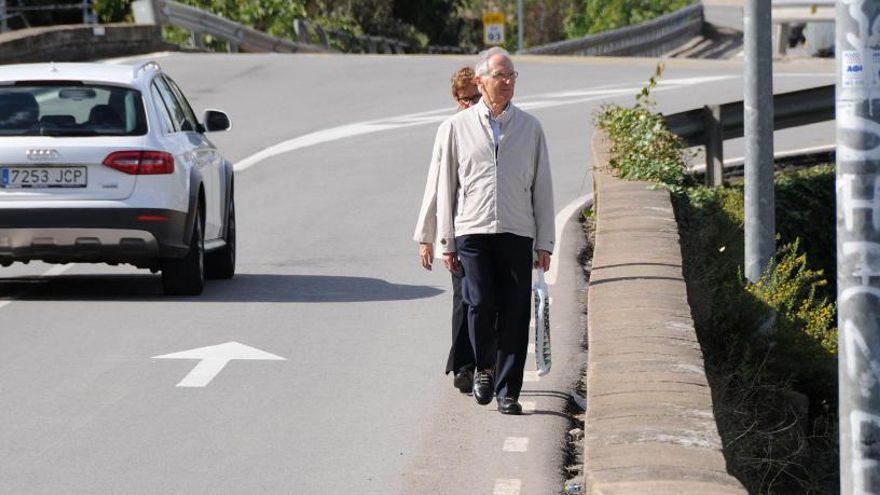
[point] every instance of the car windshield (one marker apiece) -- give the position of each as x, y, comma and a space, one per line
41, 109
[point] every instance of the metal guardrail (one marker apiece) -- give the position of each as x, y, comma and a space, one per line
241, 37
365, 43
786, 12
649, 38
711, 125
18, 10
200, 23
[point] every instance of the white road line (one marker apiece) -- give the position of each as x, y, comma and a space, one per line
531, 348
507, 487
433, 116
561, 218
531, 376
527, 405
516, 444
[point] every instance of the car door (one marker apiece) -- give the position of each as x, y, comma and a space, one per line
204, 155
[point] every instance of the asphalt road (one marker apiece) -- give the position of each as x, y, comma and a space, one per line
327, 279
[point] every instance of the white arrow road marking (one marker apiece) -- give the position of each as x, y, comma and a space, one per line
214, 358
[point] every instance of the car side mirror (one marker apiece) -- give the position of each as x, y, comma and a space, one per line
216, 120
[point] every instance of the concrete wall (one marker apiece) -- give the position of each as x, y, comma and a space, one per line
80, 43
650, 426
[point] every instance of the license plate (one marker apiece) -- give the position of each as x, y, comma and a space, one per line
42, 177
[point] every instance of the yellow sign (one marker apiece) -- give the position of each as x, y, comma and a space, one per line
493, 28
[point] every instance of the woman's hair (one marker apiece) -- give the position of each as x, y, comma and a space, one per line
462, 78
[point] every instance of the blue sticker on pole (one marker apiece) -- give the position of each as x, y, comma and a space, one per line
853, 70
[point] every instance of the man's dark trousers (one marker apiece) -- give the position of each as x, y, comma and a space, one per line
461, 354
498, 280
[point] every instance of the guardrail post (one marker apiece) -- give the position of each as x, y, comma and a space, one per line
322, 36
301, 29
712, 127
198, 40
781, 38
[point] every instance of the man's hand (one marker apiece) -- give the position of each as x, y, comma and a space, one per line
426, 255
543, 260
450, 262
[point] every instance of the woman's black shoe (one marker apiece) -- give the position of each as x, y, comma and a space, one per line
464, 381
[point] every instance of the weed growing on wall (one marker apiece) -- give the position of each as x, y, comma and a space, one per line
642, 147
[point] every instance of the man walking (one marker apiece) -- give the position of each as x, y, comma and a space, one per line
494, 213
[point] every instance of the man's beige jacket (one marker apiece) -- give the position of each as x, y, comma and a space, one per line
480, 191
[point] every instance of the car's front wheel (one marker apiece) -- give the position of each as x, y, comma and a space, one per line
186, 276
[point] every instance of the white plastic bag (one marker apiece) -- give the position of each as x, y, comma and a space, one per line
542, 324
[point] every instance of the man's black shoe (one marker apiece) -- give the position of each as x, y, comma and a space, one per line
509, 405
484, 387
464, 381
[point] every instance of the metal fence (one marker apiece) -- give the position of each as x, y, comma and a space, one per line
310, 37
200, 23
784, 13
711, 125
17, 11
651, 38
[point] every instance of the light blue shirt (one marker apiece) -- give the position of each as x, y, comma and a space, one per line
496, 126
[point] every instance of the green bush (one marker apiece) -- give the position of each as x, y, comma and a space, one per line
642, 148
770, 349
274, 17
805, 208
109, 11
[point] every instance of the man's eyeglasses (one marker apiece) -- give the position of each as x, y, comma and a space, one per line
505, 75
464, 100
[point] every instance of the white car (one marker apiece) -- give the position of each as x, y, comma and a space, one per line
103, 163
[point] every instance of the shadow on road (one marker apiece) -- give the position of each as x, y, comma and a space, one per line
242, 288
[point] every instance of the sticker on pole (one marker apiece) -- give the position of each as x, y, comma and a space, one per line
493, 28
853, 70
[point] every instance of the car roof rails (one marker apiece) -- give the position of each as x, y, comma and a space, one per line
146, 65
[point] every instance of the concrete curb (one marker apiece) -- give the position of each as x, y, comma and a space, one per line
649, 423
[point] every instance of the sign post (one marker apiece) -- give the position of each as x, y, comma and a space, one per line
858, 244
493, 28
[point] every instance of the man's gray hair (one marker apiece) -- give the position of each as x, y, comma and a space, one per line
481, 68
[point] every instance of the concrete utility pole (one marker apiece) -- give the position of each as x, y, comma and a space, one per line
760, 228
4, 26
519, 25
858, 244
